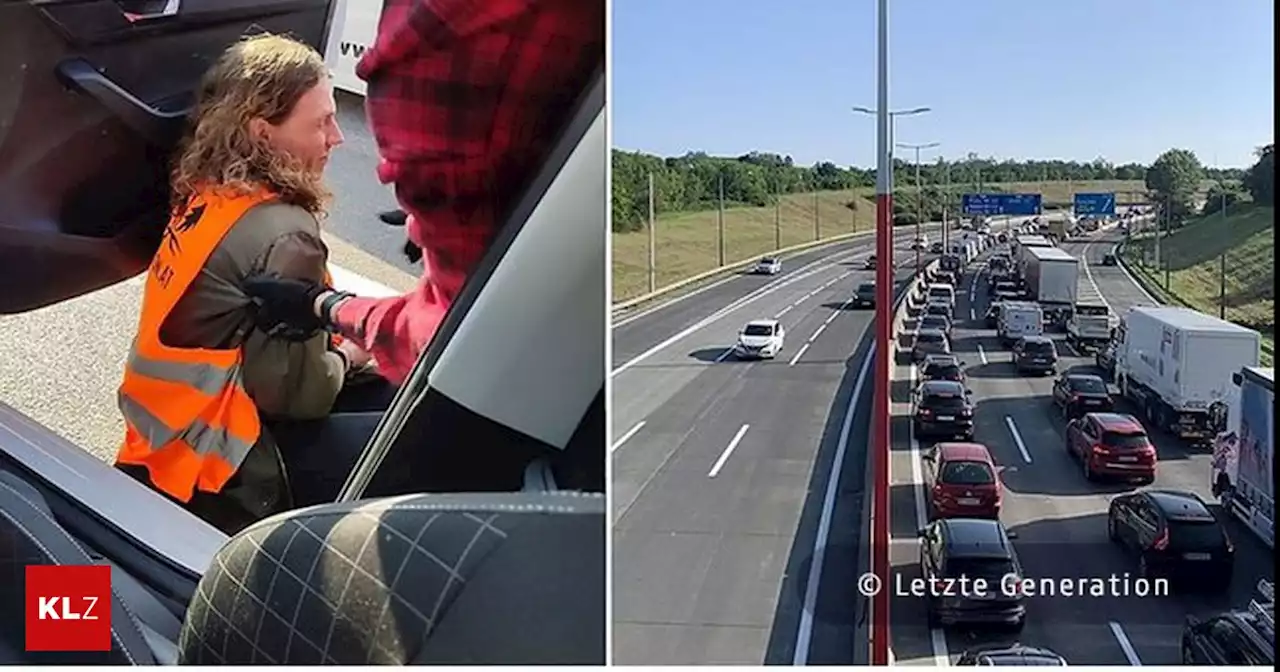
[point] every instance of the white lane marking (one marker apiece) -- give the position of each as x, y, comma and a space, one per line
972, 315
784, 311
724, 355
799, 352
350, 281
728, 450
1125, 644
804, 632
630, 433
1017, 438
818, 332
982, 354
937, 637
710, 319
1088, 274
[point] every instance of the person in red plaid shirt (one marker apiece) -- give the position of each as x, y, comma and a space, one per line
464, 98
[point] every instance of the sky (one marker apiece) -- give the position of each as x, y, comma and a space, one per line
1020, 79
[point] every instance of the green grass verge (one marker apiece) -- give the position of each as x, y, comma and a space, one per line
1194, 253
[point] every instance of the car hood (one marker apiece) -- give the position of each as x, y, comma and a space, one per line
755, 341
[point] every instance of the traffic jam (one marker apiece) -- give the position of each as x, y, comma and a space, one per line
1123, 384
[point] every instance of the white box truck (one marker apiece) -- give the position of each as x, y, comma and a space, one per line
1020, 248
1244, 452
1052, 277
1089, 328
1174, 363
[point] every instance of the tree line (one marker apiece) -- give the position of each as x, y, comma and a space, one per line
699, 181
1176, 178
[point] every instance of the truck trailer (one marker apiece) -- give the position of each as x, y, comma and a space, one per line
1244, 452
1173, 363
1052, 277
1020, 248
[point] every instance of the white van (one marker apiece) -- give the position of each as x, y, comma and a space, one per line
1018, 319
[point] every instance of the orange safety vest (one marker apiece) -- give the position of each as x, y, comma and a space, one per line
188, 419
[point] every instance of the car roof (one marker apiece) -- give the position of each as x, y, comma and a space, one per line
975, 538
865, 285
763, 322
975, 452
1116, 422
1013, 652
1084, 376
931, 332
944, 360
942, 387
1179, 504
1036, 339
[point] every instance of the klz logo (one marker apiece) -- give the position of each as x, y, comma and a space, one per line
68, 608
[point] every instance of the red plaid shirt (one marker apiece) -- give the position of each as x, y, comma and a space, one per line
464, 98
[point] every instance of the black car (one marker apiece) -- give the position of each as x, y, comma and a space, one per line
942, 408
1012, 654
1174, 535
1035, 354
935, 248
1240, 637
864, 295
930, 342
1108, 259
943, 367
973, 548
1078, 393
870, 263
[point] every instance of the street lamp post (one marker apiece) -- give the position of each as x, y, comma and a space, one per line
919, 191
893, 115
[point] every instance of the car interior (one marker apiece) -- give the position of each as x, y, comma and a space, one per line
461, 562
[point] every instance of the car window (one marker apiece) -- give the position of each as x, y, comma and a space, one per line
991, 569
930, 337
966, 472
1126, 440
942, 402
757, 330
1039, 347
866, 288
947, 371
1195, 534
1087, 385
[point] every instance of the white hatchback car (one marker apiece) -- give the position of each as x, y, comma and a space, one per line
768, 266
759, 339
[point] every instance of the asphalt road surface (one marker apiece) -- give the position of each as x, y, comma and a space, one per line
721, 468
61, 365
1059, 517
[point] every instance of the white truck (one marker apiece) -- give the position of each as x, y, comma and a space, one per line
1020, 248
1052, 277
1018, 319
1173, 364
1089, 328
1244, 452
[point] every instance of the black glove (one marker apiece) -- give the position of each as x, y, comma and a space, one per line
285, 307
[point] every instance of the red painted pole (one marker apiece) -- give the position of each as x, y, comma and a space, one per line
884, 351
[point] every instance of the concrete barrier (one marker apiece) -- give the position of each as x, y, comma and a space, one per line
913, 301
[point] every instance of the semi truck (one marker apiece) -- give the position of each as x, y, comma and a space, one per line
1173, 363
1020, 247
1244, 452
1052, 277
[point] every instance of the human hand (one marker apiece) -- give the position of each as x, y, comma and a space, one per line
357, 357
285, 306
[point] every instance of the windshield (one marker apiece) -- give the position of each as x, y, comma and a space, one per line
1088, 385
939, 293
944, 402
943, 371
1130, 440
757, 330
866, 288
931, 338
937, 309
966, 473
934, 322
1198, 534
1039, 348
769, 261
1093, 311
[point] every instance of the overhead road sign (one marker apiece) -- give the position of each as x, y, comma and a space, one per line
1095, 204
1001, 204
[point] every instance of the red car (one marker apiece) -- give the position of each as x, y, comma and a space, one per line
1112, 445
963, 482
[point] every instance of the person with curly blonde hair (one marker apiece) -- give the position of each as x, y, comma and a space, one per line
207, 392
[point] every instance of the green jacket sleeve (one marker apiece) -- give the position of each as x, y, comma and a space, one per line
289, 379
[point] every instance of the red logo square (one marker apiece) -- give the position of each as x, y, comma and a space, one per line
68, 608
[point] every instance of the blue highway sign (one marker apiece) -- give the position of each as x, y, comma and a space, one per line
1000, 204
1095, 204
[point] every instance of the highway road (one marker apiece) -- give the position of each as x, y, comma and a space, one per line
721, 468
1059, 517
